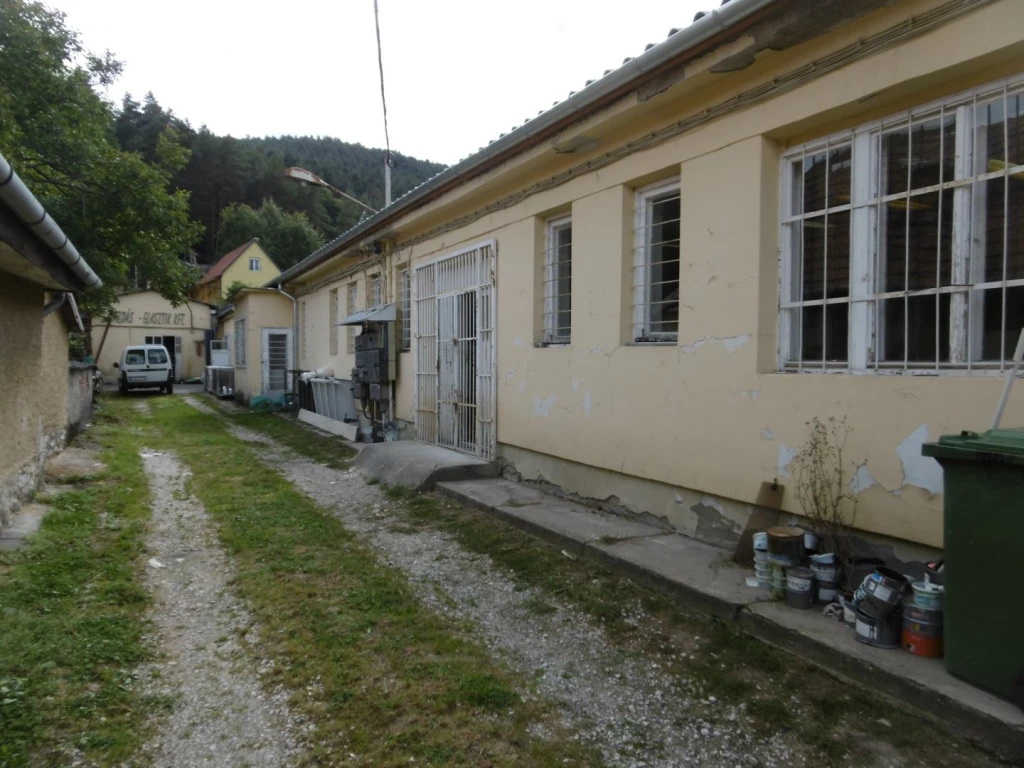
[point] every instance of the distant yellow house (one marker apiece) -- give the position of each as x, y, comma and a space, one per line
248, 264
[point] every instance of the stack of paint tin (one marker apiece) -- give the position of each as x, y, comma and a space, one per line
762, 566
826, 577
922, 620
879, 600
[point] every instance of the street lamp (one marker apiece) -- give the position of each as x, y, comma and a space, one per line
305, 177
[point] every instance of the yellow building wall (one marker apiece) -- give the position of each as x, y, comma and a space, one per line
147, 313
239, 271
709, 415
259, 310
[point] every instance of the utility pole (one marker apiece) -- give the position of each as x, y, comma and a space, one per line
387, 179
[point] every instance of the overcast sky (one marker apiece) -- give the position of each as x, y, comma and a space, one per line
457, 72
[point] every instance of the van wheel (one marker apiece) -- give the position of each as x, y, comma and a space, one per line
169, 389
122, 387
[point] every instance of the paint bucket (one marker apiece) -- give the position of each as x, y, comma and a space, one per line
883, 592
824, 572
760, 542
811, 541
786, 541
800, 587
849, 610
879, 632
783, 560
760, 556
826, 558
859, 569
828, 591
922, 631
928, 595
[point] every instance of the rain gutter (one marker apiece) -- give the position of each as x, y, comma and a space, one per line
16, 196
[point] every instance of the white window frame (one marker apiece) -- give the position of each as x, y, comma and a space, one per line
240, 343
866, 327
332, 320
254, 264
351, 296
641, 287
406, 309
553, 335
374, 291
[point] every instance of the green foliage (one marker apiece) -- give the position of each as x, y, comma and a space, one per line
225, 173
117, 206
233, 289
287, 237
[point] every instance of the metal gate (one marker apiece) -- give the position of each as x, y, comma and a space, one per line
454, 331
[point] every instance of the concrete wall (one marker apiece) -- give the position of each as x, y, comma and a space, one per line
689, 431
260, 310
33, 376
79, 396
147, 313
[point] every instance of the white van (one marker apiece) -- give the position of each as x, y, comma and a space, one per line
146, 366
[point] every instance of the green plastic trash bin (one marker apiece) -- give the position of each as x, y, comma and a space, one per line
984, 544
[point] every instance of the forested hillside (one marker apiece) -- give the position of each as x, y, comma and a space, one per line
223, 171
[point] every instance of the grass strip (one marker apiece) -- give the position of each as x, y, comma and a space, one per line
377, 675
72, 618
781, 694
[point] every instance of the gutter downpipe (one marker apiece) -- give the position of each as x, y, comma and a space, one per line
26, 207
711, 24
295, 338
56, 304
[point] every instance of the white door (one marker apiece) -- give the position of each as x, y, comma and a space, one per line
276, 360
455, 361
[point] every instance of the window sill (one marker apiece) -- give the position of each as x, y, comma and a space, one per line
665, 343
555, 344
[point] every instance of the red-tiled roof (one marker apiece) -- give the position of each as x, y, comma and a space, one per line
226, 261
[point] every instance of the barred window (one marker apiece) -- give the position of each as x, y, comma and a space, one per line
558, 281
406, 310
240, 343
350, 308
332, 321
656, 263
903, 240
374, 296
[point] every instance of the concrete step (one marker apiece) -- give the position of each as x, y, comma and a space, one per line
419, 465
700, 575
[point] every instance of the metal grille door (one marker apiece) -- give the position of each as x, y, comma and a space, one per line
276, 354
454, 300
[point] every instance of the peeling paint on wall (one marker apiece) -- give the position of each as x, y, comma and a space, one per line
862, 479
767, 434
786, 456
517, 341
587, 404
753, 394
542, 407
731, 343
922, 471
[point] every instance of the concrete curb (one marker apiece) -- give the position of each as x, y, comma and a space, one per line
976, 726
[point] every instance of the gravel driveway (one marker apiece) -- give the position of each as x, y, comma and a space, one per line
623, 704
221, 715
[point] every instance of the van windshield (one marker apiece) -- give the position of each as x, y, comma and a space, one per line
157, 357
135, 357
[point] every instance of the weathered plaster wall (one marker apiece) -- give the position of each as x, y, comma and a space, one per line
710, 414
147, 313
33, 376
79, 397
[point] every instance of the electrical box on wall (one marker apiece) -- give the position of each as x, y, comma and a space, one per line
375, 362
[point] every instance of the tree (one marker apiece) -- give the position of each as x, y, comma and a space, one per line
286, 237
59, 134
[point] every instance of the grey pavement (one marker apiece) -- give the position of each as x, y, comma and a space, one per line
704, 576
